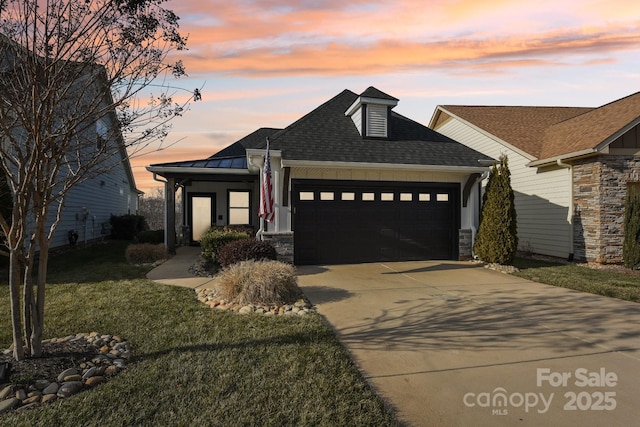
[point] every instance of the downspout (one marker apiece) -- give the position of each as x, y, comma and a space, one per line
570, 213
155, 178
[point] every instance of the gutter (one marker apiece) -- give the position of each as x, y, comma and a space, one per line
396, 166
570, 213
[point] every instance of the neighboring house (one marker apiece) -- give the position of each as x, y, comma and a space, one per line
354, 181
570, 170
90, 203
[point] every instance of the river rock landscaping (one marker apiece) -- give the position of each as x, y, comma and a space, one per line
210, 297
68, 366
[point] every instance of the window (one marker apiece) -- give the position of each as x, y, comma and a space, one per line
239, 207
102, 133
406, 197
442, 197
348, 196
368, 197
424, 197
306, 196
326, 195
386, 197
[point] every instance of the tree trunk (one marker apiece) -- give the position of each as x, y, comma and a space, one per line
14, 291
38, 309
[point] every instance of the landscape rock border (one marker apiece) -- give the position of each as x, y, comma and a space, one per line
111, 356
210, 298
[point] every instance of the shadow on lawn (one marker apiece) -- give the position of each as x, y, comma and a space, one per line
295, 339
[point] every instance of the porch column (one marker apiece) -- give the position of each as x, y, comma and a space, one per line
170, 222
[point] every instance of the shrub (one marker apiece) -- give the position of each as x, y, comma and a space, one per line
631, 243
497, 238
217, 237
126, 227
145, 253
245, 250
150, 236
259, 282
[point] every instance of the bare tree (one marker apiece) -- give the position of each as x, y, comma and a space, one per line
73, 78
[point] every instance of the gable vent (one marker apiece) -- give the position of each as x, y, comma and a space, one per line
377, 120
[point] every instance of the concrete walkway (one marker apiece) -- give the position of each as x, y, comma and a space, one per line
175, 271
453, 344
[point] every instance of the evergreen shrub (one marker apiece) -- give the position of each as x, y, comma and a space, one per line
245, 250
497, 237
631, 243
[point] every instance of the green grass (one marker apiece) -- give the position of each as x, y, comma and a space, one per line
193, 365
609, 283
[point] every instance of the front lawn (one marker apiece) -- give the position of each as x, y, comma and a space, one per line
193, 365
622, 285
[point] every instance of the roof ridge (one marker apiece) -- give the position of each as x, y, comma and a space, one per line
296, 123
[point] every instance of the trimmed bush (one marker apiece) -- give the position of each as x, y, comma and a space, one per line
497, 238
259, 282
631, 244
126, 227
145, 253
245, 250
215, 238
150, 236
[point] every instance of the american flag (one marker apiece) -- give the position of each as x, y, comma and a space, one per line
266, 191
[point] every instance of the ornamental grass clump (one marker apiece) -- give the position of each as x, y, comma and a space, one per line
259, 282
146, 253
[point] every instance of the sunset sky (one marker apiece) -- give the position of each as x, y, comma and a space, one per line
267, 63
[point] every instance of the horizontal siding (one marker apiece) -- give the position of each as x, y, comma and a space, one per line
103, 196
542, 196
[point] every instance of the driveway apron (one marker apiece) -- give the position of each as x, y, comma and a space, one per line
454, 344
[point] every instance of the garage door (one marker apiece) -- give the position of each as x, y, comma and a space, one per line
338, 222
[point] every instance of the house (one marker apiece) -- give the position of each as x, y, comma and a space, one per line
570, 169
82, 109
353, 181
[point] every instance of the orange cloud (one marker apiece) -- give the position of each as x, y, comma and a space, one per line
339, 58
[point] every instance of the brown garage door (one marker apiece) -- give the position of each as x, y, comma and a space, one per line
339, 222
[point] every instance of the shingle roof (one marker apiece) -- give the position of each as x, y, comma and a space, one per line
592, 128
327, 134
372, 92
522, 127
552, 132
253, 140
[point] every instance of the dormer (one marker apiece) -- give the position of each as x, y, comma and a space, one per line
371, 113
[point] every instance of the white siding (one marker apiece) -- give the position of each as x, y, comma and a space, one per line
357, 119
542, 196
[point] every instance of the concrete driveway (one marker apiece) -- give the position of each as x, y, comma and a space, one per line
452, 344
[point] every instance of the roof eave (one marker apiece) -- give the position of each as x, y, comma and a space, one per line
397, 166
201, 171
563, 157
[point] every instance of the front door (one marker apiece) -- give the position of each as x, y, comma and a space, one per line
202, 213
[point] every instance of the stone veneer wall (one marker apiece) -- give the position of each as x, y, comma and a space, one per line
283, 243
599, 191
464, 245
